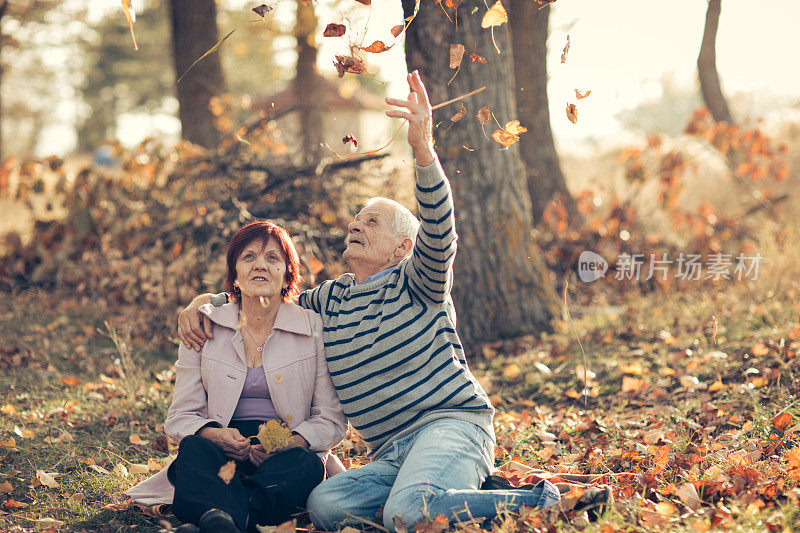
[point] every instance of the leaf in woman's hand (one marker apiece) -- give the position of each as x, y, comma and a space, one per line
273, 435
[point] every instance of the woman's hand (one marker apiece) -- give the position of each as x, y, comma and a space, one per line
229, 440
258, 455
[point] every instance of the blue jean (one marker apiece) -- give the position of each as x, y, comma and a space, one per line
436, 470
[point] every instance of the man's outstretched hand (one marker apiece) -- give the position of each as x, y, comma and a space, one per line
420, 119
194, 328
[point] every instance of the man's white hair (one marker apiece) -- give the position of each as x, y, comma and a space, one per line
405, 223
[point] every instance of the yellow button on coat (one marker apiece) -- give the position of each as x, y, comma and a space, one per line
279, 378
289, 419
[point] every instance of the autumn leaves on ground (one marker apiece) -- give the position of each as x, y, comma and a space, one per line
691, 419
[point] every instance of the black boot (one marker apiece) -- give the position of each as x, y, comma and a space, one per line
217, 521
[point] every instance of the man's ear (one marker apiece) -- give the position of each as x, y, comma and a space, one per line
403, 249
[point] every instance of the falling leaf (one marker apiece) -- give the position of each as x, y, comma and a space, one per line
349, 64
397, 30
509, 134
273, 435
227, 471
365, 2
484, 115
572, 113
580, 96
46, 479
458, 116
456, 55
314, 264
565, 51
349, 138
334, 30
262, 10
136, 439
130, 16
495, 16
476, 57
453, 3
208, 53
376, 47
782, 421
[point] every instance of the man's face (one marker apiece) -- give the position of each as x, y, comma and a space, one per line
371, 241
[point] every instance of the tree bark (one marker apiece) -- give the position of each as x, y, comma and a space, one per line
529, 30
707, 67
502, 287
307, 84
194, 32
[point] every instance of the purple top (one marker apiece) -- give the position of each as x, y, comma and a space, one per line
255, 403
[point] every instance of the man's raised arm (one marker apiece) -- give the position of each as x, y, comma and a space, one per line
435, 247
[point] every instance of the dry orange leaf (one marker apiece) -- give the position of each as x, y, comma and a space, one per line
458, 116
14, 504
716, 386
565, 51
273, 435
314, 264
452, 3
509, 134
572, 113
365, 2
456, 55
349, 64
793, 457
227, 471
476, 57
580, 96
349, 138
334, 30
376, 47
8, 443
495, 16
397, 30
136, 439
484, 115
782, 421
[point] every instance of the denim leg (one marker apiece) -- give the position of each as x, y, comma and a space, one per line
442, 473
344, 498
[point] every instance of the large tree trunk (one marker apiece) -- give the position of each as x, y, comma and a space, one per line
502, 287
307, 84
529, 29
707, 67
194, 32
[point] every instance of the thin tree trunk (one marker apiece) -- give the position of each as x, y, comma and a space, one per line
194, 32
529, 30
3, 8
307, 84
502, 287
707, 67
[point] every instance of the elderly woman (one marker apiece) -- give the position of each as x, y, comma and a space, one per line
266, 361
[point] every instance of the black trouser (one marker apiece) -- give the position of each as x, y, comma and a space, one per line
269, 493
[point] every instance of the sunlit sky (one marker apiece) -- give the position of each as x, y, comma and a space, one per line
619, 50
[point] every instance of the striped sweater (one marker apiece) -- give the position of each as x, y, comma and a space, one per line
391, 345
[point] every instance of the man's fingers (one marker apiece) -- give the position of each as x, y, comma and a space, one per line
207, 327
418, 87
401, 103
396, 113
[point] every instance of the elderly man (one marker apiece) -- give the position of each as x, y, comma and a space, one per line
397, 363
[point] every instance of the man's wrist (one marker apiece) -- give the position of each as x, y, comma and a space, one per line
424, 156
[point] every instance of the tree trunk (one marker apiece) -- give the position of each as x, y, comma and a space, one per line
502, 287
307, 84
3, 8
707, 67
529, 29
194, 32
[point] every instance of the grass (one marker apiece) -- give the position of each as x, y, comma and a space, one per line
74, 391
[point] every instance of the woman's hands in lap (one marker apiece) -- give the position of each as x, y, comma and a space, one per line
229, 440
258, 455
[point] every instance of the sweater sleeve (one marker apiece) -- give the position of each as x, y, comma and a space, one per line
431, 269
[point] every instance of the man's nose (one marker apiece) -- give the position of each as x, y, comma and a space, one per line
354, 226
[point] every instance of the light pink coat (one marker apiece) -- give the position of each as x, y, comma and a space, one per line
208, 386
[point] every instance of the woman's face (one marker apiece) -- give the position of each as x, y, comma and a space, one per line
261, 270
